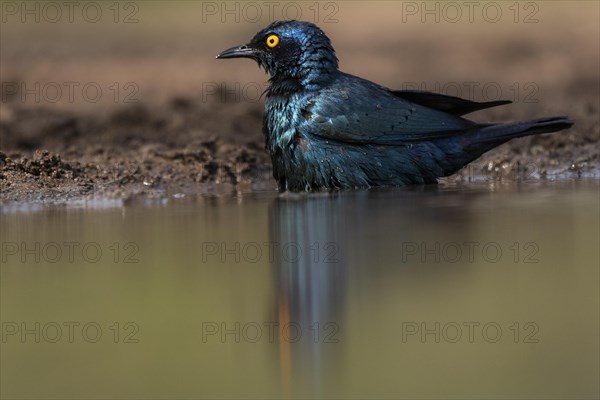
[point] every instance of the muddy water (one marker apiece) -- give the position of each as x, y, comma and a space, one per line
470, 292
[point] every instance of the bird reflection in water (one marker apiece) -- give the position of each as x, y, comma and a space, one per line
310, 285
352, 242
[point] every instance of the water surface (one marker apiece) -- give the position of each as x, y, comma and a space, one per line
483, 291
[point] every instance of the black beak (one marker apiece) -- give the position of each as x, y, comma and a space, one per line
243, 51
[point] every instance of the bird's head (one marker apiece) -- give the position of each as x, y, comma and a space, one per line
294, 52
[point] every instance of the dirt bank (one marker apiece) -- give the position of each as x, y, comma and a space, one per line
189, 146
179, 137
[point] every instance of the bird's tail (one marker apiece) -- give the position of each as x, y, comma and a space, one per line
496, 134
486, 137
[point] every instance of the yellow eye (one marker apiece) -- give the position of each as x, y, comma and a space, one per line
272, 40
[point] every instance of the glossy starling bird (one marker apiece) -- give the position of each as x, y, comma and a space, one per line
326, 129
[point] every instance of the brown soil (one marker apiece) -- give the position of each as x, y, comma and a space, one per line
52, 156
179, 138
186, 147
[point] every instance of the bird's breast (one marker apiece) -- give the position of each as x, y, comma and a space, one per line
282, 121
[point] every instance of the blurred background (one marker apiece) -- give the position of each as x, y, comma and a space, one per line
167, 48
101, 84
107, 86
120, 132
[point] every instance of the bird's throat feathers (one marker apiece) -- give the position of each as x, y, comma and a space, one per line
313, 75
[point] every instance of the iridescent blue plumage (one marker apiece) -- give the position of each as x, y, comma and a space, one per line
326, 129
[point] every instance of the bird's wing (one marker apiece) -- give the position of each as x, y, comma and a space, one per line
450, 104
358, 111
